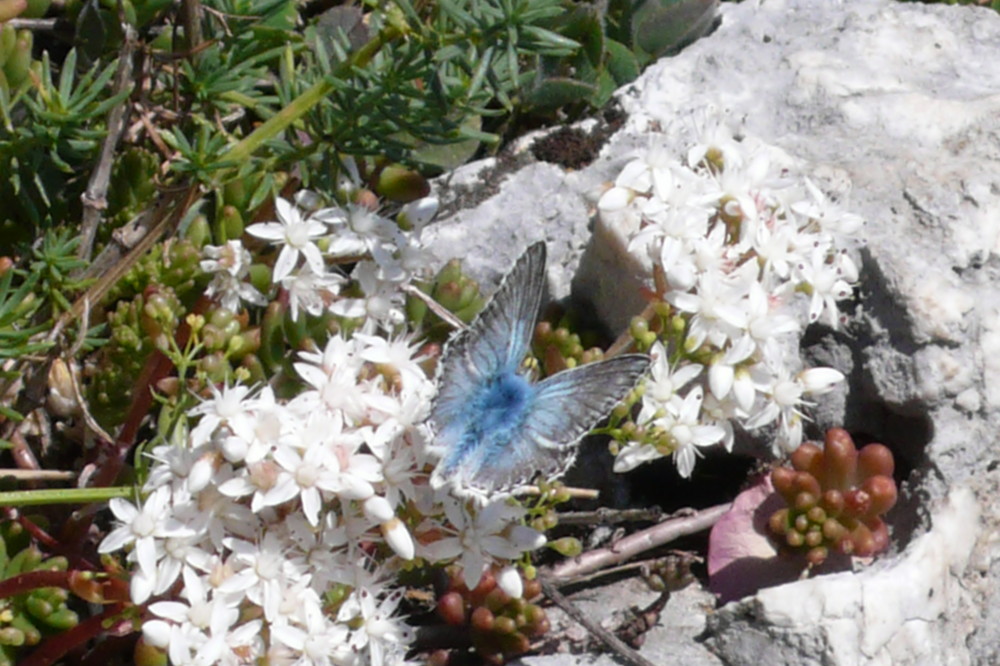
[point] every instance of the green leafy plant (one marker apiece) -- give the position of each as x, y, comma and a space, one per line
618, 39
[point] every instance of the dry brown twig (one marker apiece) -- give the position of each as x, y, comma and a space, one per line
606, 637
639, 542
94, 197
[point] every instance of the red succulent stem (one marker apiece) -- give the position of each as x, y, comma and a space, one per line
33, 580
56, 647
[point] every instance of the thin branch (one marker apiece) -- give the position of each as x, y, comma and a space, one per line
191, 20
640, 542
37, 474
95, 197
575, 493
33, 24
436, 307
609, 639
606, 516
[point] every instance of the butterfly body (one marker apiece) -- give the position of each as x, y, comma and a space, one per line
493, 428
491, 417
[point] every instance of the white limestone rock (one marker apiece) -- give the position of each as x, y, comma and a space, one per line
895, 110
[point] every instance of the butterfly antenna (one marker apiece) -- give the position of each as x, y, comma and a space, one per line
436, 307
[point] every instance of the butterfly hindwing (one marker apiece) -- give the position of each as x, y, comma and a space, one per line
570, 403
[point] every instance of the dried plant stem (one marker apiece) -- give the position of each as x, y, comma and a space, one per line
110, 265
436, 307
22, 453
37, 474
191, 18
606, 516
640, 542
575, 493
95, 197
606, 637
33, 24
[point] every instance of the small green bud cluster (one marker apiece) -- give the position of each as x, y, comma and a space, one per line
558, 349
454, 291
542, 515
173, 264
26, 618
150, 322
502, 626
137, 327
836, 496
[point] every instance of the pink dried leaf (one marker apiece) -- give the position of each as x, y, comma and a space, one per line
742, 558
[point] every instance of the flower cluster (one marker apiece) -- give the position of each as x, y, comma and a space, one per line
272, 528
742, 255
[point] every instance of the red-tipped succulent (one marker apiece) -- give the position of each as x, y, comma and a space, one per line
501, 625
836, 496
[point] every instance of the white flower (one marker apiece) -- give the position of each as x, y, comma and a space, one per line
379, 629
785, 395
142, 528
722, 372
399, 354
310, 291
665, 381
688, 433
383, 300
295, 235
716, 306
509, 580
334, 376
304, 475
319, 642
418, 213
231, 264
829, 216
825, 281
229, 408
356, 230
481, 534
260, 575
200, 626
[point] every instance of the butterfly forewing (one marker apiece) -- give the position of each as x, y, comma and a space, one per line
568, 404
497, 340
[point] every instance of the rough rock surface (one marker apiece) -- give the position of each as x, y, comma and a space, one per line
895, 110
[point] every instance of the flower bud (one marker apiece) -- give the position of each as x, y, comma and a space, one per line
377, 509
509, 580
398, 538
62, 395
398, 183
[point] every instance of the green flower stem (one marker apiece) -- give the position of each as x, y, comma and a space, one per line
64, 496
301, 105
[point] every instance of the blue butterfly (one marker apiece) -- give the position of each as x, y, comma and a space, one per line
494, 429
